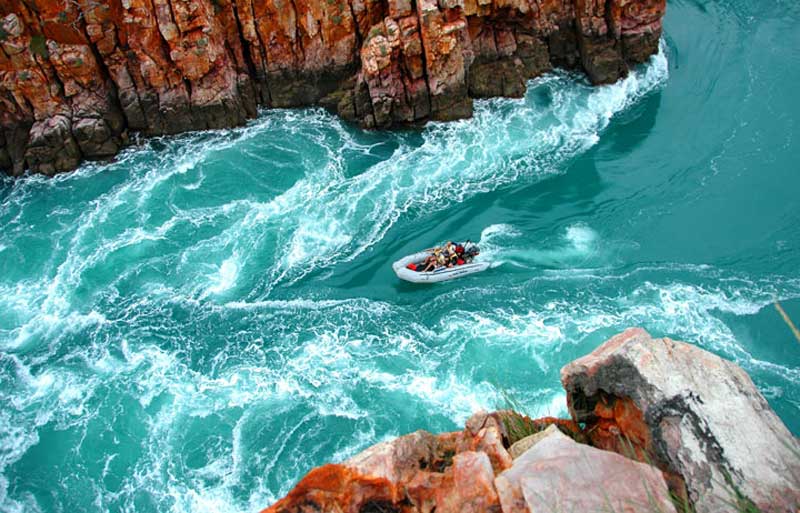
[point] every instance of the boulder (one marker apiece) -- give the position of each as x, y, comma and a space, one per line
468, 486
95, 139
559, 474
420, 472
695, 415
505, 77
522, 446
51, 147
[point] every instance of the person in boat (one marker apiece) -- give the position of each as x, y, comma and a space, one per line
429, 264
454, 258
449, 255
435, 260
459, 255
453, 255
441, 258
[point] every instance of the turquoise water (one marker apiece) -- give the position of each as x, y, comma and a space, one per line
195, 326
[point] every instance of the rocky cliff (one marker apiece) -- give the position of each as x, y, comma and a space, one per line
77, 77
657, 426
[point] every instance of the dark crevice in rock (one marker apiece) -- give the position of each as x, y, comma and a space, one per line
356, 28
187, 84
320, 32
246, 50
298, 31
415, 9
376, 506
262, 49
608, 13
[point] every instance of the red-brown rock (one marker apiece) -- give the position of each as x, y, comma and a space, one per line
422, 473
77, 76
471, 471
419, 472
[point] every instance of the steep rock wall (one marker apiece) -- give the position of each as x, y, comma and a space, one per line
78, 76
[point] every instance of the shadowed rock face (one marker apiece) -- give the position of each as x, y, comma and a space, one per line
697, 417
77, 76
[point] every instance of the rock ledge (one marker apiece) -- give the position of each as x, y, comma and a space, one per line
656, 424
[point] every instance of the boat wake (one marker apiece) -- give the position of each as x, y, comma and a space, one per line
577, 247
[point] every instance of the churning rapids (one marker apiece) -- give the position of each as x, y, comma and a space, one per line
197, 324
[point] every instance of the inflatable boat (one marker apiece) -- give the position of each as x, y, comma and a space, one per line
404, 272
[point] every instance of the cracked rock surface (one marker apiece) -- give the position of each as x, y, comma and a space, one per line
696, 416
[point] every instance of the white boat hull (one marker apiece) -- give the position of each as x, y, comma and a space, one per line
438, 275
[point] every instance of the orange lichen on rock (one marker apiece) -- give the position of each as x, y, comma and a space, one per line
672, 405
620, 427
451, 472
327, 487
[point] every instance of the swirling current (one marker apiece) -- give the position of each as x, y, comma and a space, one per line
195, 325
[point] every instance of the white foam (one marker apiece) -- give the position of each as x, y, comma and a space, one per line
557, 407
349, 354
581, 237
226, 276
578, 245
493, 231
447, 395
326, 217
46, 325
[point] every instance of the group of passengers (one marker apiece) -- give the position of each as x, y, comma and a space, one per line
449, 255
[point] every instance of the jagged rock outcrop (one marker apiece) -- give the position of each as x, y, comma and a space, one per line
657, 425
697, 417
558, 474
78, 76
471, 471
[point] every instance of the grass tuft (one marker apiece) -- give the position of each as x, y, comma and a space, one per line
521, 424
38, 46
